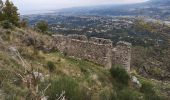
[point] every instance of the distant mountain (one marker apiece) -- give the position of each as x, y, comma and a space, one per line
159, 9
160, 1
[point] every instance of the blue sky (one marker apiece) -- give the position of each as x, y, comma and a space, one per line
30, 6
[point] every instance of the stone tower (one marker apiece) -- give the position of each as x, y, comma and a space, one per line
122, 54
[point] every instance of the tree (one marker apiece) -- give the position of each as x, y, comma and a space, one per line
9, 12
1, 5
42, 26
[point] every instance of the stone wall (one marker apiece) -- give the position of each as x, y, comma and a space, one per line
122, 54
97, 50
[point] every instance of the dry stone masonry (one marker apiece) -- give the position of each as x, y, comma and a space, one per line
97, 50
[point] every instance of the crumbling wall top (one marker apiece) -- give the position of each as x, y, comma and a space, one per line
59, 36
100, 40
78, 37
123, 43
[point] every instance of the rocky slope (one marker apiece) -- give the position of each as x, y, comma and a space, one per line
31, 69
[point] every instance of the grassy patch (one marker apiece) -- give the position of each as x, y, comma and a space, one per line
69, 86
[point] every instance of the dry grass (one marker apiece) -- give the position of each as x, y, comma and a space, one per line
94, 78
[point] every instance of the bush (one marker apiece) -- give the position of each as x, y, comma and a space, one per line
127, 94
51, 66
42, 26
107, 94
6, 24
71, 88
147, 88
120, 74
153, 97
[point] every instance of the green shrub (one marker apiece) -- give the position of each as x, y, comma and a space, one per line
42, 26
107, 94
153, 97
150, 94
6, 24
71, 88
51, 66
120, 74
147, 88
128, 94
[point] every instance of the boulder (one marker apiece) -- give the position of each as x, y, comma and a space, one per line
136, 82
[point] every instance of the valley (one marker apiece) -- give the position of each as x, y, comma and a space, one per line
103, 52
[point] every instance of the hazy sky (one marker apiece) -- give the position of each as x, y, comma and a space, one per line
27, 6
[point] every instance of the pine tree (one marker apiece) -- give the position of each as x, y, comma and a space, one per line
1, 5
9, 12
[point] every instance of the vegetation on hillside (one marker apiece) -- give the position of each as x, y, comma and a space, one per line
153, 60
31, 69
9, 13
61, 76
150, 38
42, 26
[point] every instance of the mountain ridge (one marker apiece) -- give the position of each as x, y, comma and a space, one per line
155, 9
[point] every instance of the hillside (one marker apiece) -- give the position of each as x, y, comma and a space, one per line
57, 57
149, 37
82, 72
26, 55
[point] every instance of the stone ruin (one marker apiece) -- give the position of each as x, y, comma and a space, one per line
97, 50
